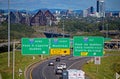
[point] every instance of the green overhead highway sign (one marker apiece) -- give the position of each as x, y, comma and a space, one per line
60, 46
59, 43
35, 46
88, 46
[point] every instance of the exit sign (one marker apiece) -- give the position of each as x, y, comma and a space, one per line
88, 46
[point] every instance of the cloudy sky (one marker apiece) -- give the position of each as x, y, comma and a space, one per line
57, 4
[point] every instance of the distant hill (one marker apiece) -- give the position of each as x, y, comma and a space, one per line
35, 11
113, 11
51, 10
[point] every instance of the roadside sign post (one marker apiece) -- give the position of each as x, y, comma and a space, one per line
35, 46
97, 60
60, 46
88, 46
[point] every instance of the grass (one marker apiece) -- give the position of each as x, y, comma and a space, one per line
20, 62
103, 71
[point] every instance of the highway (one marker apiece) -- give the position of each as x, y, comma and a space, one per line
43, 71
6, 43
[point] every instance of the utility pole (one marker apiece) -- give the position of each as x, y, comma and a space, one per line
8, 33
103, 23
107, 31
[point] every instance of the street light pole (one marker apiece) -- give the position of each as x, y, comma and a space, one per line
103, 24
63, 28
8, 33
106, 30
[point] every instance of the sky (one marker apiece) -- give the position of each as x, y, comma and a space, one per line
112, 5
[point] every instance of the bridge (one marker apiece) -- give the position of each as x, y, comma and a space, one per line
52, 34
112, 44
111, 32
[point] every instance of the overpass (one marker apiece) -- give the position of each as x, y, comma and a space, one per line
6, 43
111, 32
112, 44
52, 34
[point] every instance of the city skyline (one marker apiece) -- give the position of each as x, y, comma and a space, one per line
58, 4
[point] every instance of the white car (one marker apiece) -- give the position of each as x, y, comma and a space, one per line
63, 65
59, 67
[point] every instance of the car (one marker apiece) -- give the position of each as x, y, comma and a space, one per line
58, 71
63, 65
59, 67
51, 63
57, 59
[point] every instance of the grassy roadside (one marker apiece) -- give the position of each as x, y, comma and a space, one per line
103, 71
20, 62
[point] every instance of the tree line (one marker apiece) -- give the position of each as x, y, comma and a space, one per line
90, 24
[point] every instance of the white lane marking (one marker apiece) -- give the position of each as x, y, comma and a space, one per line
73, 64
38, 63
31, 73
43, 71
73, 58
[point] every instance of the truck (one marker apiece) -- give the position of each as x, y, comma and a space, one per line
73, 74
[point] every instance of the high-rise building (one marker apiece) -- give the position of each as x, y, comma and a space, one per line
91, 10
101, 8
85, 13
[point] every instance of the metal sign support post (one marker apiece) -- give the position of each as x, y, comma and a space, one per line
13, 60
41, 57
97, 69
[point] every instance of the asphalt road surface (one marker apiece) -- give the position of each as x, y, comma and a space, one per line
43, 71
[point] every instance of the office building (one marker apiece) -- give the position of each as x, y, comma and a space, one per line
101, 8
85, 13
91, 10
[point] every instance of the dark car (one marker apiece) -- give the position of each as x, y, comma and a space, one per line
58, 71
51, 63
57, 59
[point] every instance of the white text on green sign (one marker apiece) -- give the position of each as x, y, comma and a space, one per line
35, 46
88, 46
59, 43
